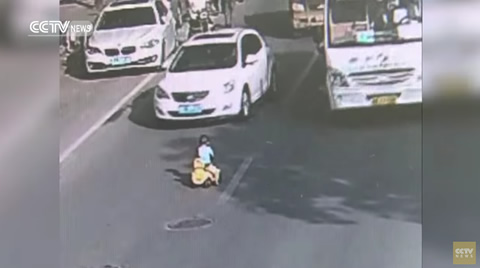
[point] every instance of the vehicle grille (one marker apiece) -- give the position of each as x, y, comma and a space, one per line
384, 77
189, 96
111, 52
128, 50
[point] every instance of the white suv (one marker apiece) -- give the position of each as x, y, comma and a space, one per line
131, 33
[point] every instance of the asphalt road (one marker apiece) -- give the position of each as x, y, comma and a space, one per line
298, 190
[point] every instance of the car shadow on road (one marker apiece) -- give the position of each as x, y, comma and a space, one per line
289, 178
274, 24
308, 193
75, 68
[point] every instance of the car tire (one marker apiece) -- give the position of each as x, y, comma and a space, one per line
162, 55
273, 86
246, 105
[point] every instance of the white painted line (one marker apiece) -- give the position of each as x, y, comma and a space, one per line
227, 194
65, 154
301, 78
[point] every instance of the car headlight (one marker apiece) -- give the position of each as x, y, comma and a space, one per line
150, 43
93, 50
229, 86
161, 93
337, 78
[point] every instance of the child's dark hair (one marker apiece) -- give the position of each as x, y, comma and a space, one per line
203, 139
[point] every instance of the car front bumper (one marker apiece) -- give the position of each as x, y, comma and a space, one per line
367, 97
142, 58
168, 109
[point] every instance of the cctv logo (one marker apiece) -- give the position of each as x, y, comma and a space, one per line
464, 252
55, 28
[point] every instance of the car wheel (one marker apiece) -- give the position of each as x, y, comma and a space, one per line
273, 87
162, 55
246, 105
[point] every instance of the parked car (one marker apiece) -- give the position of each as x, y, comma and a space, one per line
131, 34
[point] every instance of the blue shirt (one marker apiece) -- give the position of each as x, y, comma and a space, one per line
205, 153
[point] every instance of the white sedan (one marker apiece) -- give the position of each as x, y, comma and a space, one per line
129, 34
216, 74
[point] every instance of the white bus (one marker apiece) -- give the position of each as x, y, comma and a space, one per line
373, 52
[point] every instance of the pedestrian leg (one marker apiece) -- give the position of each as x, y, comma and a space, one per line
228, 12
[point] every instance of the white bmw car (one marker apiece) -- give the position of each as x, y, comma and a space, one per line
216, 74
131, 33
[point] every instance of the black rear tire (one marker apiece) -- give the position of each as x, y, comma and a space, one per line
273, 87
246, 105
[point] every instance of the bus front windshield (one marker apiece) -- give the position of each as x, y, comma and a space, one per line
372, 22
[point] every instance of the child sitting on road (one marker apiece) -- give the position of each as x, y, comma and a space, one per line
206, 154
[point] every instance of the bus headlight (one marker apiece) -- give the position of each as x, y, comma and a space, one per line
337, 78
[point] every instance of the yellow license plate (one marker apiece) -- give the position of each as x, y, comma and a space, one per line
384, 100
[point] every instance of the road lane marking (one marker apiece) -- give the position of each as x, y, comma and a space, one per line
65, 154
237, 177
301, 78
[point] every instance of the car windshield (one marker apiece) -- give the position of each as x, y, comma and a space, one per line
205, 57
124, 18
372, 22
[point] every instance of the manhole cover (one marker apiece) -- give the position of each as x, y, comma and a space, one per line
189, 224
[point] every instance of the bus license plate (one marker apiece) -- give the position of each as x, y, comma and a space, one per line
190, 109
385, 100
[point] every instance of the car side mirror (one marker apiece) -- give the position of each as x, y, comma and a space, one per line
250, 60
